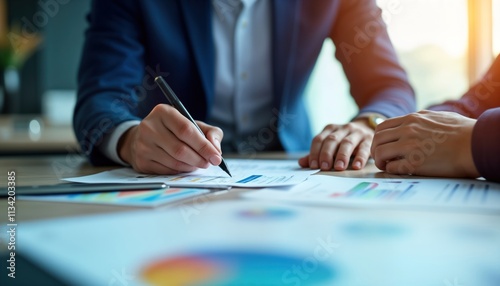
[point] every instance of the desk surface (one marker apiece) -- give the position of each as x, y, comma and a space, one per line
48, 170
15, 136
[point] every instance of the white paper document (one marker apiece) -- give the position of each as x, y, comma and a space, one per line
429, 192
263, 243
246, 173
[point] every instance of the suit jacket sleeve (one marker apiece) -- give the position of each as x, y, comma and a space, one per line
486, 144
111, 67
482, 101
482, 96
378, 82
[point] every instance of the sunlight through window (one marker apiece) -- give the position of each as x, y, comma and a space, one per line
496, 27
431, 39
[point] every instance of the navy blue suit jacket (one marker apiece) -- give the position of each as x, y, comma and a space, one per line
129, 42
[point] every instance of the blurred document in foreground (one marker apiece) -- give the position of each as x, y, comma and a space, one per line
263, 243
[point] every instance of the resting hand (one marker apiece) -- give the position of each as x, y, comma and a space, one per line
426, 143
166, 142
334, 146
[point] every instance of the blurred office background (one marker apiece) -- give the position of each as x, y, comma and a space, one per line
52, 67
38, 91
445, 45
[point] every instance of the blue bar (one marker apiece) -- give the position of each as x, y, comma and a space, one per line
249, 179
452, 192
406, 192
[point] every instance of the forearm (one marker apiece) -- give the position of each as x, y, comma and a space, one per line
378, 82
94, 120
484, 95
111, 68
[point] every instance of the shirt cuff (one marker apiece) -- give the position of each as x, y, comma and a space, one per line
109, 145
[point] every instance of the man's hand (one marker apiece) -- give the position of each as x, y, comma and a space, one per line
166, 142
426, 143
335, 145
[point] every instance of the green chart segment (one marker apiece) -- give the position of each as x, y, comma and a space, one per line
367, 190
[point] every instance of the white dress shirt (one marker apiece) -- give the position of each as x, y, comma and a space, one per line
243, 74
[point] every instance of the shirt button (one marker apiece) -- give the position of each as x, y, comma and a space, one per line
244, 23
244, 76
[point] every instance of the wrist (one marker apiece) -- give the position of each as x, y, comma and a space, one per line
371, 120
124, 146
467, 161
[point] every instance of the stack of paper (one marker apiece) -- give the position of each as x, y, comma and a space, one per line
246, 174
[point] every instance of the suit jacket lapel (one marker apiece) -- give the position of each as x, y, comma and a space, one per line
198, 19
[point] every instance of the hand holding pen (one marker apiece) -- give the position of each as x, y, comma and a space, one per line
167, 142
175, 102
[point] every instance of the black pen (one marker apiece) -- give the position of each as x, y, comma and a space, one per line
177, 104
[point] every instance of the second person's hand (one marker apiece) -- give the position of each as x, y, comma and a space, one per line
166, 142
334, 146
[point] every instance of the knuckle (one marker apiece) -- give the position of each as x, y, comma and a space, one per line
185, 129
333, 138
160, 108
205, 148
178, 165
330, 127
144, 129
363, 155
326, 154
343, 155
352, 126
156, 109
411, 131
180, 151
318, 139
365, 146
368, 134
219, 131
347, 141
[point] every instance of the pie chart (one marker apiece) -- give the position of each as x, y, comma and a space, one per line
266, 213
224, 268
